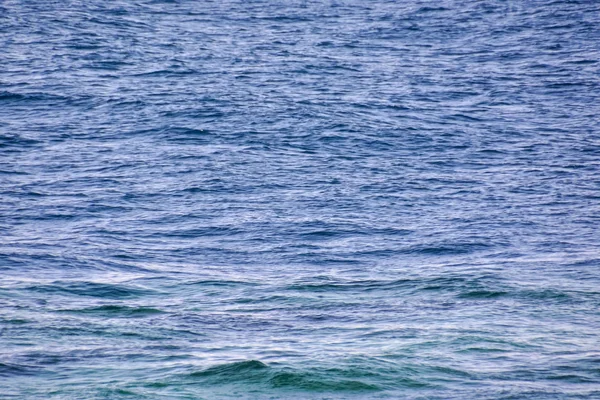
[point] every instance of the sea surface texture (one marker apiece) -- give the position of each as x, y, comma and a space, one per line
253, 199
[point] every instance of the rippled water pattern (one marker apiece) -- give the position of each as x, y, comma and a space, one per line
299, 199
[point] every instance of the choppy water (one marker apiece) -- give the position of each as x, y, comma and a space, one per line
299, 199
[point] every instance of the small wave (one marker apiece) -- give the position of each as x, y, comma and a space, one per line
184, 135
572, 378
257, 372
6, 96
431, 9
482, 294
92, 289
483, 350
26, 97
226, 373
219, 282
323, 234
116, 311
166, 72
8, 370
544, 294
313, 382
351, 285
16, 141
475, 291
449, 248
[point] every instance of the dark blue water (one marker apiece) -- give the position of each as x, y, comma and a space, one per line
299, 199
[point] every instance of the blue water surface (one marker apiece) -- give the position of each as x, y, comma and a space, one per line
299, 199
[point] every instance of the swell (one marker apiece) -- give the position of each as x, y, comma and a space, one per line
8, 370
91, 289
115, 310
258, 374
461, 287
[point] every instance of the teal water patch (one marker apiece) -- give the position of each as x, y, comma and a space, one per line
257, 373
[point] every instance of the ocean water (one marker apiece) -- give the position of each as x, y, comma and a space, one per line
299, 199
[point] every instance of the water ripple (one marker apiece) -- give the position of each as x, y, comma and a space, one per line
299, 199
